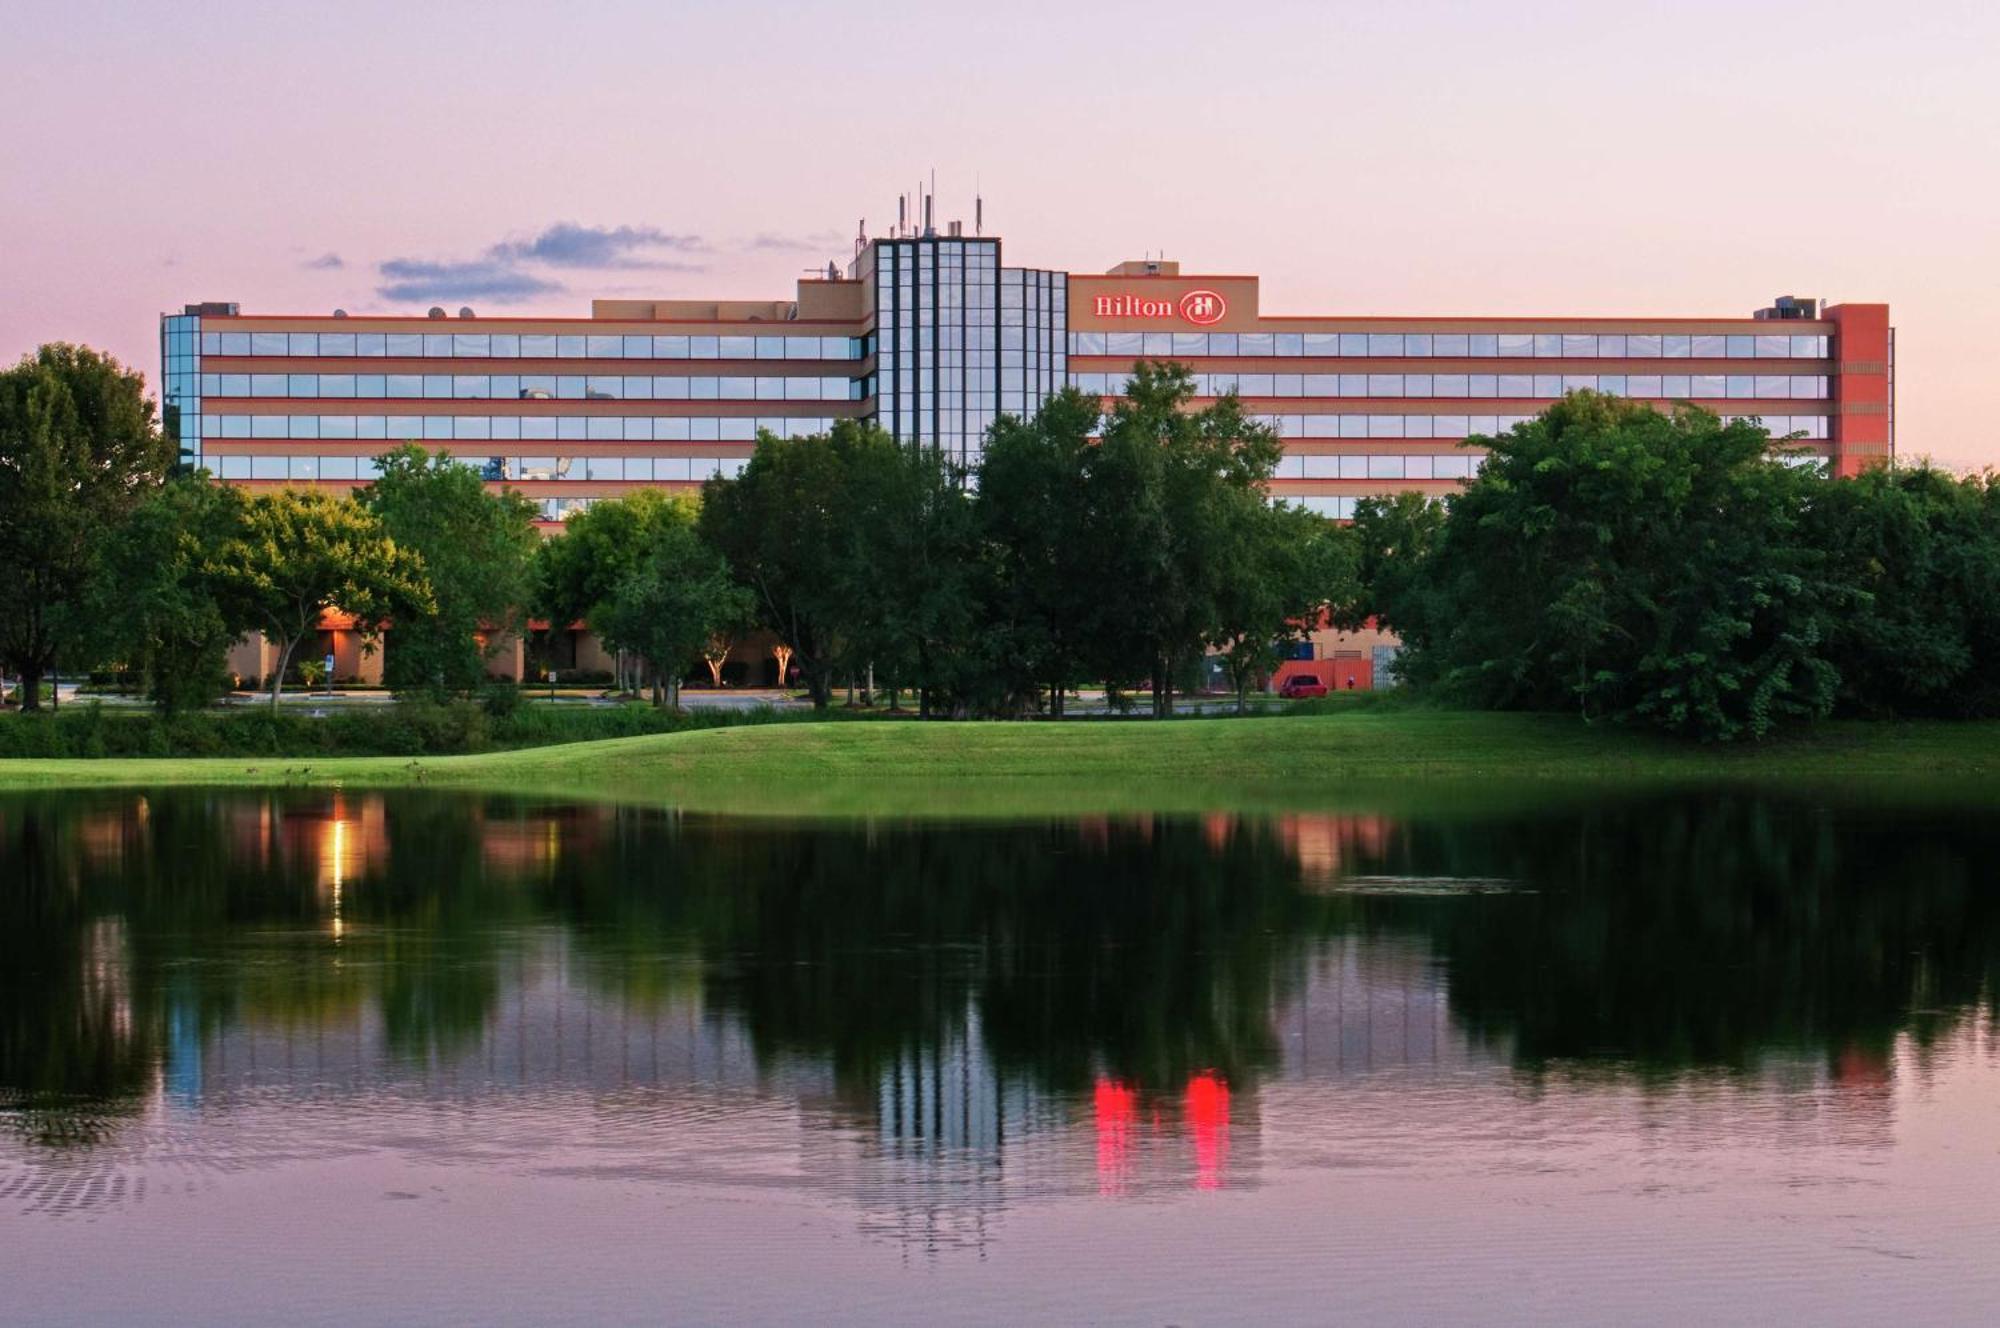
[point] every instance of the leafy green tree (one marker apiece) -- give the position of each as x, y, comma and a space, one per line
1392, 538
669, 605
302, 552
1921, 549
1034, 516
477, 548
1168, 486
911, 571
1279, 572
578, 572
782, 526
169, 605
1627, 563
79, 449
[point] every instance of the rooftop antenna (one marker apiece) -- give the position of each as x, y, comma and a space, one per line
978, 209
902, 209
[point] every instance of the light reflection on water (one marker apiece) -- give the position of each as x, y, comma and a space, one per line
1112, 1068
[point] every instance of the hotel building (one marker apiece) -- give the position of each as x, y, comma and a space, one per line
932, 335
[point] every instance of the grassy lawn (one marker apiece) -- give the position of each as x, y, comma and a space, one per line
1321, 760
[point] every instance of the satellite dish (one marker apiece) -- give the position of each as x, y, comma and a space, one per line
437, 311
340, 313
465, 311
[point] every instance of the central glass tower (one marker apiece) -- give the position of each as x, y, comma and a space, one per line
959, 339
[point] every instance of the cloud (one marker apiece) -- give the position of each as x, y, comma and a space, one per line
813, 243
604, 248
414, 279
512, 271
324, 263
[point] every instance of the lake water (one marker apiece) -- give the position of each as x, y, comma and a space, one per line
317, 1058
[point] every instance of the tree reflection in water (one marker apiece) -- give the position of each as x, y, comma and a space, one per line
952, 986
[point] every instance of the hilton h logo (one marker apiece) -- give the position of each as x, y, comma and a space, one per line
1202, 307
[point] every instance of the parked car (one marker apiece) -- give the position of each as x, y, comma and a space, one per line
1301, 686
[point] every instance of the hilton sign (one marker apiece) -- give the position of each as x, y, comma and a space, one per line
1200, 307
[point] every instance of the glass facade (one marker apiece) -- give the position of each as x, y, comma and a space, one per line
1034, 325
533, 387
180, 385
533, 346
1358, 425
1669, 387
293, 466
958, 339
1450, 345
602, 428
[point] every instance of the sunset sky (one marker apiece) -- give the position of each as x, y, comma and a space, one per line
1688, 158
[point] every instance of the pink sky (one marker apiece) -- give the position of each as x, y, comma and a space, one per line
1688, 158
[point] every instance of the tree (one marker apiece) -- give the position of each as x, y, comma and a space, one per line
909, 571
1034, 514
1392, 538
1643, 566
575, 574
1278, 575
78, 450
1167, 487
302, 552
670, 605
780, 525
170, 605
477, 548
1920, 550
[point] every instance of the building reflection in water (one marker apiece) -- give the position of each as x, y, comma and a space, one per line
959, 1018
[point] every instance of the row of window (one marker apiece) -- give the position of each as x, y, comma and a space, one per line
1478, 345
528, 345
1341, 507
575, 428
531, 387
648, 469
1485, 426
1672, 387
647, 429
1452, 466
656, 469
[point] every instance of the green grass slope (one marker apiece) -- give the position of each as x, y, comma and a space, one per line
1247, 764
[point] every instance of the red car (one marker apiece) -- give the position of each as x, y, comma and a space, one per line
1301, 686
